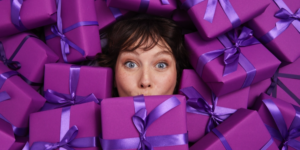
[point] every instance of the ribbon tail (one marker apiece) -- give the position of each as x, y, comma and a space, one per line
210, 10
64, 48
294, 143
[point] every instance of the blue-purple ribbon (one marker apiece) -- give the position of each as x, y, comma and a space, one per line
116, 12
142, 121
211, 9
16, 6
198, 105
286, 135
275, 81
65, 43
58, 100
286, 17
145, 4
232, 54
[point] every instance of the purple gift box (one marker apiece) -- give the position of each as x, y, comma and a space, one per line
198, 122
7, 137
286, 118
214, 23
28, 55
256, 89
164, 8
50, 126
234, 67
19, 143
165, 124
243, 130
78, 38
29, 14
285, 44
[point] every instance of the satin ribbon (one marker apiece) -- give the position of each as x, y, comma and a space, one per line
58, 100
65, 43
198, 105
286, 135
275, 81
116, 12
4, 96
16, 6
142, 121
286, 17
145, 4
232, 54
211, 9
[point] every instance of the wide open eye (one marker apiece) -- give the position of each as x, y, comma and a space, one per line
161, 65
130, 64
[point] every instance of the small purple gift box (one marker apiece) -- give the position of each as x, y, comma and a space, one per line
278, 28
216, 17
282, 121
139, 122
7, 137
243, 130
201, 120
75, 37
18, 15
28, 55
232, 61
164, 8
67, 84
75, 127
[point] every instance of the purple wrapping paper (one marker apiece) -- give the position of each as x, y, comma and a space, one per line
196, 123
287, 110
45, 126
256, 90
86, 37
183, 19
32, 56
243, 130
34, 14
245, 9
7, 137
213, 71
285, 46
155, 6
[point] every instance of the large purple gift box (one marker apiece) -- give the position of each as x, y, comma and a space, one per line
285, 129
32, 14
28, 55
216, 65
163, 8
243, 130
215, 23
50, 126
197, 123
79, 36
286, 37
256, 89
165, 125
7, 137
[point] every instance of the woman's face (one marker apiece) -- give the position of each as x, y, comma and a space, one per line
151, 72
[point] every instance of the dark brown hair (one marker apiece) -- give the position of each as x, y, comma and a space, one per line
143, 31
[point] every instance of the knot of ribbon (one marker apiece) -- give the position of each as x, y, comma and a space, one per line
14, 65
15, 14
286, 135
58, 100
198, 105
287, 16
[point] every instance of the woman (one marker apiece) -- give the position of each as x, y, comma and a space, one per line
146, 54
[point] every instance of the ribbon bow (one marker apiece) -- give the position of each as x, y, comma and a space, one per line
287, 136
14, 65
198, 105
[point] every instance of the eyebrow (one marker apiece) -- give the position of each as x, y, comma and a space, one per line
163, 52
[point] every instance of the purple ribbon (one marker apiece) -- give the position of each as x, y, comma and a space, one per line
197, 104
4, 96
145, 4
116, 12
65, 43
142, 122
275, 81
15, 14
211, 9
232, 54
58, 100
287, 136
286, 19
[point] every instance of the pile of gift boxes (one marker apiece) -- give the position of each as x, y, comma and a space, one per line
242, 93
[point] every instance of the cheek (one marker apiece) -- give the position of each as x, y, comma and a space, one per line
166, 81
123, 80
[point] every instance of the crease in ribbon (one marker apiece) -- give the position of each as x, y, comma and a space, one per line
16, 6
58, 100
198, 105
232, 54
211, 9
65, 43
286, 19
145, 4
142, 121
286, 135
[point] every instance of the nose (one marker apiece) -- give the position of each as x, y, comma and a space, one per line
145, 80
